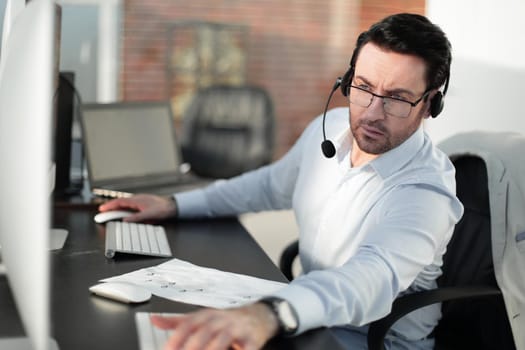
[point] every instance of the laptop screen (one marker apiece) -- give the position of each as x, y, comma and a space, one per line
129, 140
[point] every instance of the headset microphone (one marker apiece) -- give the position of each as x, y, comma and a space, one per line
327, 146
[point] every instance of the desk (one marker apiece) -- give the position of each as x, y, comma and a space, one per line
84, 321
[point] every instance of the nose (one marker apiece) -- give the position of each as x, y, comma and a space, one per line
376, 109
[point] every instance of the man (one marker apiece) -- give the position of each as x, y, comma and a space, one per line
374, 220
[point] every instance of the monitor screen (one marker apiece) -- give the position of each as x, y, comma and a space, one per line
129, 140
27, 79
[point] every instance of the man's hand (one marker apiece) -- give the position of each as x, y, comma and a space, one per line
247, 328
147, 207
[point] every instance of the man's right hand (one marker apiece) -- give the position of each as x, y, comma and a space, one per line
147, 207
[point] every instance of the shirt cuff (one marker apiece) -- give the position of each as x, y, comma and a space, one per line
307, 305
192, 204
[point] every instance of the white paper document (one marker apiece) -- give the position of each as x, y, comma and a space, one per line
184, 282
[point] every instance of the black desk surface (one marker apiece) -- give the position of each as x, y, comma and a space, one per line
84, 321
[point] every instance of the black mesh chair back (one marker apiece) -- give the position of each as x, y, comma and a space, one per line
228, 130
477, 323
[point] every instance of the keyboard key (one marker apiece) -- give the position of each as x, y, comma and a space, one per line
136, 238
151, 337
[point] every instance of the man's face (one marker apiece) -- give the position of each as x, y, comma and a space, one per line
389, 74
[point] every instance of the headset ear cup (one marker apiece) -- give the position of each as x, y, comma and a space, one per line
345, 82
436, 104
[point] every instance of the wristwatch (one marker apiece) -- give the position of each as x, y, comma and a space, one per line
285, 314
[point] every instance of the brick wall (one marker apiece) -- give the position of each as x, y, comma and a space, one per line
295, 48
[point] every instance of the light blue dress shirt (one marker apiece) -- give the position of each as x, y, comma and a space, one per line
367, 234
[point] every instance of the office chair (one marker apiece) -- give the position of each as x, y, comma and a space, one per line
228, 130
474, 315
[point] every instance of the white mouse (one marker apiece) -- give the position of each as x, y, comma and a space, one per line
106, 216
121, 291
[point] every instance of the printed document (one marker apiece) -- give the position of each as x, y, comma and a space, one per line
185, 282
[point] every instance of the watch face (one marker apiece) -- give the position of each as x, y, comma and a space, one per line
287, 316
288, 321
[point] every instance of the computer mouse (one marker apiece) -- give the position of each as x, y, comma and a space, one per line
106, 216
121, 291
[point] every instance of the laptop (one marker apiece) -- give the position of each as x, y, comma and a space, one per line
131, 147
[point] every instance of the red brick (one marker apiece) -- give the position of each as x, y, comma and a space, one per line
290, 49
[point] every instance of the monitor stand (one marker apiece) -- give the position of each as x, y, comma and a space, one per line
24, 344
57, 239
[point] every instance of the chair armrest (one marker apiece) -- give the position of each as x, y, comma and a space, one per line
287, 257
410, 302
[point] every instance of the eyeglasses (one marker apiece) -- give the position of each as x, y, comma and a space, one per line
392, 106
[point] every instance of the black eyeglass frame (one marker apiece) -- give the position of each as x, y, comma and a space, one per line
412, 104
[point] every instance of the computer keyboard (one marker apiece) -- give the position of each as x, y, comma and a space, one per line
151, 337
136, 238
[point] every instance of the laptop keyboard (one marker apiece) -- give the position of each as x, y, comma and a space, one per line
136, 238
184, 183
150, 337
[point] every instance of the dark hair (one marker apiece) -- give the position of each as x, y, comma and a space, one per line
415, 35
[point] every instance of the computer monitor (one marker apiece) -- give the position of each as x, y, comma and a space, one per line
27, 79
11, 11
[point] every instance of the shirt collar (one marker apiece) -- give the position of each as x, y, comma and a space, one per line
393, 160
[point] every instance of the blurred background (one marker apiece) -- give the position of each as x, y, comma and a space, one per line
131, 50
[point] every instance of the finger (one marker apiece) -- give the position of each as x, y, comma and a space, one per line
222, 341
213, 333
148, 215
244, 344
118, 203
236, 346
225, 331
182, 332
190, 325
165, 322
247, 347
138, 217
200, 338
245, 341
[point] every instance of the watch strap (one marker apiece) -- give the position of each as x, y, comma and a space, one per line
275, 304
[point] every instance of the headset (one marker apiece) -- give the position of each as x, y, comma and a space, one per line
436, 103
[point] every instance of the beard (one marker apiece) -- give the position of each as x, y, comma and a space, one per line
368, 144
382, 141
